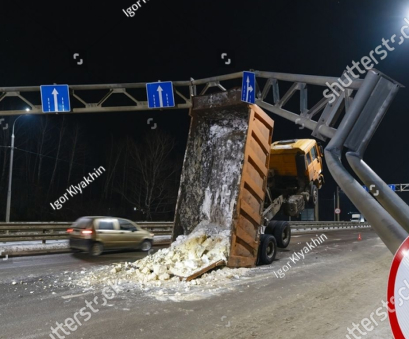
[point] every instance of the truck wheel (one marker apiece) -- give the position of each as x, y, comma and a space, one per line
282, 233
272, 225
314, 195
267, 249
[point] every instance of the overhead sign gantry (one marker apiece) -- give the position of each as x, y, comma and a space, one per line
350, 120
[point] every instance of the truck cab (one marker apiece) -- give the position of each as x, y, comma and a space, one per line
296, 168
295, 176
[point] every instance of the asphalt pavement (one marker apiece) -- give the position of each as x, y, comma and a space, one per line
37, 293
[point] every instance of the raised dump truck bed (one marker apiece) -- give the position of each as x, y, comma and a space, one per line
225, 171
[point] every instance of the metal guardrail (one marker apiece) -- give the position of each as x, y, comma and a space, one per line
30, 231
43, 231
327, 225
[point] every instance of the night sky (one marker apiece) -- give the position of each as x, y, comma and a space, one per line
177, 40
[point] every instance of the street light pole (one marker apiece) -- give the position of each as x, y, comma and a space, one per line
11, 172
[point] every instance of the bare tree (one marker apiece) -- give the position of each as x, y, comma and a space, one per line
74, 143
114, 157
149, 183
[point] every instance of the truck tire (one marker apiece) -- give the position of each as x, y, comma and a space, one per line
282, 233
313, 195
267, 249
272, 225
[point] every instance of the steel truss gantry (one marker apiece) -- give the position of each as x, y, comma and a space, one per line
350, 121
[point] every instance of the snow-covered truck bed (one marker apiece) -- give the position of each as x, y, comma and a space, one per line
225, 171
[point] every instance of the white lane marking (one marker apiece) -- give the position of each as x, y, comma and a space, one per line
75, 295
32, 336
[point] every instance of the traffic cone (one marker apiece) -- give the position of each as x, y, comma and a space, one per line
359, 236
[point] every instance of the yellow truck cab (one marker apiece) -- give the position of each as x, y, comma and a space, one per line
295, 176
297, 167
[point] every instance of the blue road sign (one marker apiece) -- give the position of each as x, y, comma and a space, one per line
248, 89
160, 94
55, 98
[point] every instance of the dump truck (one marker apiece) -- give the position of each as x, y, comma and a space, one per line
294, 178
236, 178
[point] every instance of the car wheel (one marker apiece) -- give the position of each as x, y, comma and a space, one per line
282, 233
96, 249
267, 249
146, 245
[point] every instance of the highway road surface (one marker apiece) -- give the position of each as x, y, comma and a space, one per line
339, 282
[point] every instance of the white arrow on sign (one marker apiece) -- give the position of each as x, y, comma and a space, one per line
55, 93
160, 90
249, 88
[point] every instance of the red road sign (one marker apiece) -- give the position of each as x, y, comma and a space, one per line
337, 211
398, 292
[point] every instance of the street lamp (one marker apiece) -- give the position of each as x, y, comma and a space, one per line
11, 172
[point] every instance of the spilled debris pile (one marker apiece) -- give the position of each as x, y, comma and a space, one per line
188, 255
